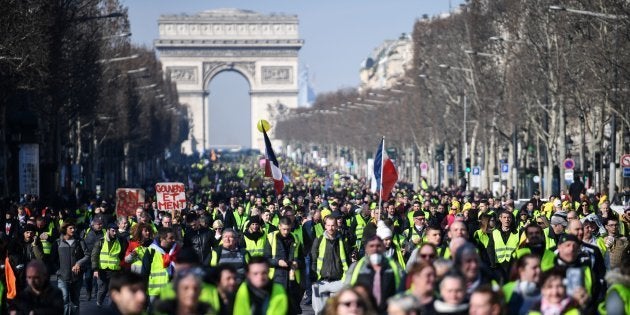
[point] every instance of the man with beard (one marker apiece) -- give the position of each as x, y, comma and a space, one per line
258, 294
21, 251
253, 239
535, 244
284, 252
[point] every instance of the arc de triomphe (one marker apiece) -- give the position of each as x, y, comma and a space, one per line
263, 48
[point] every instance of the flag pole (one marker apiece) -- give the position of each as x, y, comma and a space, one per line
380, 192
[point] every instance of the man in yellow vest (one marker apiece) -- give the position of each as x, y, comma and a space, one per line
270, 297
503, 243
580, 279
535, 244
284, 252
329, 255
253, 239
106, 256
379, 274
149, 261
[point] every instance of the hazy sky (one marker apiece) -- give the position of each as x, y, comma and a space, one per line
338, 36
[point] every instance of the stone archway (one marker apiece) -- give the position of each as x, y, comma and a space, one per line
264, 49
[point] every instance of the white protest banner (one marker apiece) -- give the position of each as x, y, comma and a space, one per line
128, 200
170, 196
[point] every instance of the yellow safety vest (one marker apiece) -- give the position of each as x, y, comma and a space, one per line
277, 304
546, 261
274, 249
322, 252
360, 226
624, 294
482, 237
549, 242
209, 295
158, 277
47, 245
255, 248
504, 251
109, 257
361, 262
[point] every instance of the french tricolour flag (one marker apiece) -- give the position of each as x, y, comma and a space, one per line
272, 168
385, 173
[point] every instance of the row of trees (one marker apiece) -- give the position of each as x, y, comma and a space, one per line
506, 81
99, 107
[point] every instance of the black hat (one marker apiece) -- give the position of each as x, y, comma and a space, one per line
418, 213
536, 192
336, 214
568, 237
30, 228
255, 219
112, 226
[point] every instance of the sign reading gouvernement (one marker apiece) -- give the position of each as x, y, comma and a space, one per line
128, 200
170, 196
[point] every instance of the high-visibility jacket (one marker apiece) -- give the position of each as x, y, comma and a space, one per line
277, 304
240, 221
158, 276
109, 257
361, 223
209, 295
624, 294
546, 261
411, 233
295, 246
481, 237
392, 264
46, 244
549, 242
299, 235
255, 248
503, 251
319, 229
322, 252
398, 257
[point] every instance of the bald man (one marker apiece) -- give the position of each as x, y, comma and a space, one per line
589, 251
39, 297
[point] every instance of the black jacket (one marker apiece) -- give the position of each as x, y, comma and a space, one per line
332, 268
228, 219
285, 250
50, 301
200, 240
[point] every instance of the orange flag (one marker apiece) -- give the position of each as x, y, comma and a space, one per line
11, 281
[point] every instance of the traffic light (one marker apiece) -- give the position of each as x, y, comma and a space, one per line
467, 165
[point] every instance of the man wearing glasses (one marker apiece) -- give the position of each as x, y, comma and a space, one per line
615, 243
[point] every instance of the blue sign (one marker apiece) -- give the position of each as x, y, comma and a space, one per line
505, 168
476, 170
449, 168
626, 172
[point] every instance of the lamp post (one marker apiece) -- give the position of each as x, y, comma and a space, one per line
465, 126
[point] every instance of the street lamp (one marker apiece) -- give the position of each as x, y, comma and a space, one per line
465, 127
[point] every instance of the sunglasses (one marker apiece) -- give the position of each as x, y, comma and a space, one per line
355, 303
427, 256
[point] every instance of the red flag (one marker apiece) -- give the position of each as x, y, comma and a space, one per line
390, 177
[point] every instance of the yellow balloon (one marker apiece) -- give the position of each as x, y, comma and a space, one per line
263, 125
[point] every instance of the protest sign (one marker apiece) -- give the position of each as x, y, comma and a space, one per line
170, 196
128, 200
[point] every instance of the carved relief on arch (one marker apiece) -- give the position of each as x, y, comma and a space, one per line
247, 68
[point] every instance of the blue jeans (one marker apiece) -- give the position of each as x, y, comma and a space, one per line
71, 292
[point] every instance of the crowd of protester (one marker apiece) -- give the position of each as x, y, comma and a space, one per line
324, 243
